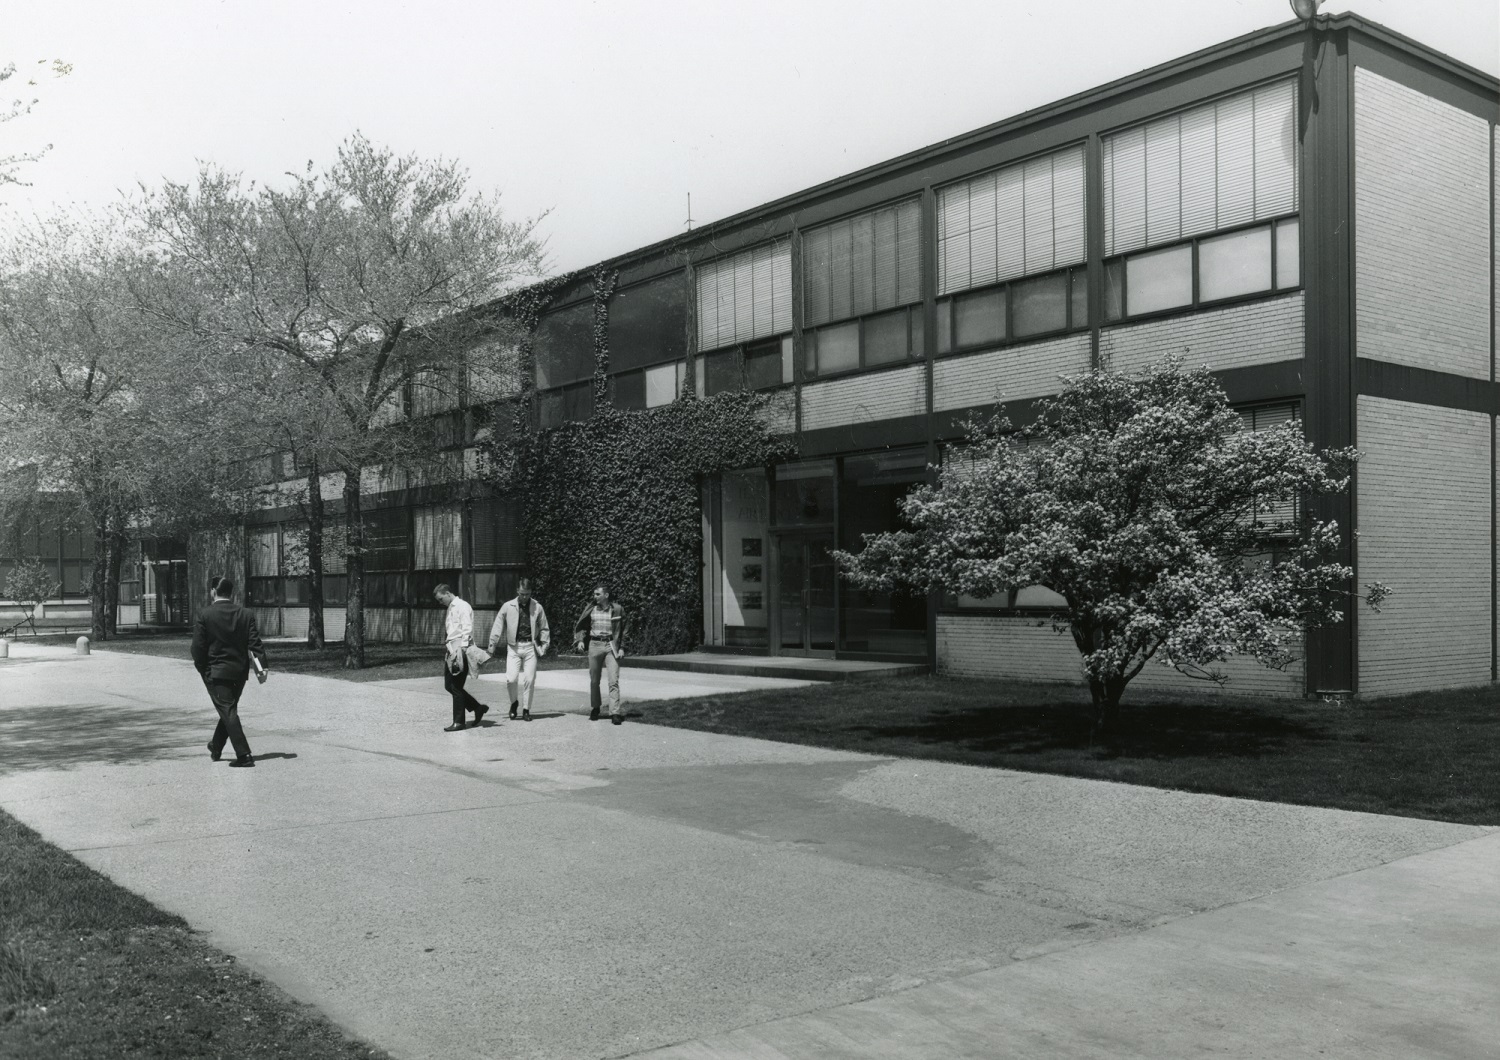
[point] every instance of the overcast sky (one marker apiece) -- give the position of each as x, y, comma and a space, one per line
607, 114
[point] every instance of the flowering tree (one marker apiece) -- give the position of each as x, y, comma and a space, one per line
1169, 531
337, 292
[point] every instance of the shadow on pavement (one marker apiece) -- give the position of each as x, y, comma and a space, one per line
60, 737
275, 754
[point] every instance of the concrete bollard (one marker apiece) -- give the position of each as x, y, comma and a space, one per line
4, 647
83, 645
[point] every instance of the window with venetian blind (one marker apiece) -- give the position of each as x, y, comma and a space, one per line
862, 289
1027, 220
744, 305
1201, 206
497, 549
1281, 515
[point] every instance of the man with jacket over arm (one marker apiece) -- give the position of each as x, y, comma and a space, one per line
226, 645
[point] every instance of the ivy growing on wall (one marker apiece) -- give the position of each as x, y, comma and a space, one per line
616, 499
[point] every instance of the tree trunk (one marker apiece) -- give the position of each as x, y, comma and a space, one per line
99, 579
354, 535
314, 558
118, 543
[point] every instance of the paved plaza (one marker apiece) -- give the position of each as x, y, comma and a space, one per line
573, 889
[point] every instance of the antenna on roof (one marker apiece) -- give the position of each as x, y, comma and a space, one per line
689, 221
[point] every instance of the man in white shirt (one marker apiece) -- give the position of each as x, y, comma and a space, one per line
458, 637
522, 627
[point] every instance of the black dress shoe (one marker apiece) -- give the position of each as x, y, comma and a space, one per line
514, 705
455, 727
594, 714
479, 712
525, 715
617, 719
215, 755
248, 760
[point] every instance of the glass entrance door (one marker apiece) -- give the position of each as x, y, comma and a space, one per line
805, 577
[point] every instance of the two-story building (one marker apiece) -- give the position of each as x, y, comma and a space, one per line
1308, 210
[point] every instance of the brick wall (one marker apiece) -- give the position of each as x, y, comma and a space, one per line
864, 398
1026, 649
1424, 529
1233, 337
386, 624
1008, 374
1421, 229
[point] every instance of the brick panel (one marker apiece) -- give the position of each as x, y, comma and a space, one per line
864, 398
1011, 373
1421, 229
1424, 529
1233, 337
385, 624
427, 626
1026, 649
294, 622
267, 620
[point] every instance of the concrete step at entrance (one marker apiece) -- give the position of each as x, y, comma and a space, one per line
706, 662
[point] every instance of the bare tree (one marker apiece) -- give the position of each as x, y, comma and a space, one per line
10, 164
95, 410
353, 282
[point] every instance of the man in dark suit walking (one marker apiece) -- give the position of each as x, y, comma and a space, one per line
226, 645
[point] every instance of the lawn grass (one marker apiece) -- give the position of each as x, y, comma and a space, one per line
383, 662
1435, 755
88, 969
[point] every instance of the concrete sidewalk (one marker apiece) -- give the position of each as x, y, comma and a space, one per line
568, 889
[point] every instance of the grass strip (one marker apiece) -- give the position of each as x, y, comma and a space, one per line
1433, 755
88, 969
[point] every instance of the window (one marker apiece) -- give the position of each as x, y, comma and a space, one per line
497, 550
387, 557
433, 392
563, 348
1280, 516
492, 373
1262, 259
263, 567
649, 387
1200, 206
867, 272
569, 404
756, 366
744, 303
437, 550
745, 297
1220, 165
1014, 312
1024, 219
648, 324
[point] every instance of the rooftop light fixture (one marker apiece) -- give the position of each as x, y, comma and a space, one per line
1306, 10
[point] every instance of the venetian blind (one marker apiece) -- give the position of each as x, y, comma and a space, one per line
745, 297
1026, 218
862, 264
261, 557
1230, 162
437, 537
495, 527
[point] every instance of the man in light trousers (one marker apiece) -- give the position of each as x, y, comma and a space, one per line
602, 627
522, 627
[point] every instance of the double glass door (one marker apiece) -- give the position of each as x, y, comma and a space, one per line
805, 577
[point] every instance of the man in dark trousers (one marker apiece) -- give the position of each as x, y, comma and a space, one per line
226, 645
